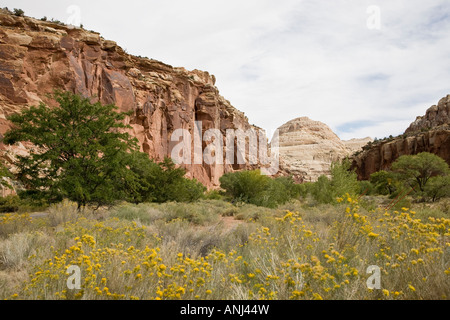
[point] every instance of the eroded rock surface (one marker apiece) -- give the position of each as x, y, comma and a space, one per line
307, 148
428, 133
37, 57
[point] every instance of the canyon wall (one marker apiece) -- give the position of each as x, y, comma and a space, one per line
37, 57
428, 133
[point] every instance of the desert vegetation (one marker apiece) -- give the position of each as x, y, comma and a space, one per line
139, 229
168, 251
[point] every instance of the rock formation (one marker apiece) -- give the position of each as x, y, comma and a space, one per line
435, 117
428, 133
307, 148
37, 57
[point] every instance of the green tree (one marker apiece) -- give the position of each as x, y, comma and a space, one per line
384, 182
437, 187
5, 175
418, 169
80, 150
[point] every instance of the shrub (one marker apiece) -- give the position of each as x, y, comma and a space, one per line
12, 223
244, 185
165, 182
9, 203
142, 212
365, 187
322, 191
437, 188
18, 12
342, 181
213, 195
255, 188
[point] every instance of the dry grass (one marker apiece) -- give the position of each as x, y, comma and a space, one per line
178, 251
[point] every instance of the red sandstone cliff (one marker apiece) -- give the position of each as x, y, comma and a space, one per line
37, 57
428, 133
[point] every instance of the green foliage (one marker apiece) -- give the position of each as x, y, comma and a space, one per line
427, 173
342, 181
213, 195
416, 170
437, 187
9, 203
18, 12
169, 184
322, 191
254, 188
244, 185
160, 182
80, 152
5, 175
365, 188
18, 203
384, 182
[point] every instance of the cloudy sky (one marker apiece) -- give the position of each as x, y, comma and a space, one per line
364, 67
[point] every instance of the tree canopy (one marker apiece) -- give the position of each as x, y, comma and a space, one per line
416, 170
80, 150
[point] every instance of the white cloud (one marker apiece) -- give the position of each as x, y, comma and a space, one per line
280, 60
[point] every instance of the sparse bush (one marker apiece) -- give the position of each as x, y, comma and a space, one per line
15, 251
18, 12
14, 222
63, 212
143, 212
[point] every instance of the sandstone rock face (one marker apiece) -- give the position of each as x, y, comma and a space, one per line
436, 116
355, 145
428, 133
37, 57
307, 148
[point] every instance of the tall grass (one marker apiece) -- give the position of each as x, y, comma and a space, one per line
174, 251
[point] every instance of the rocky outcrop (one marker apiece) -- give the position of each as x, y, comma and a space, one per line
428, 133
307, 148
37, 57
436, 116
